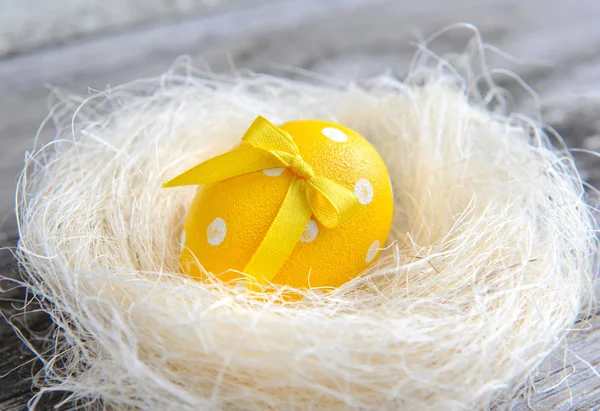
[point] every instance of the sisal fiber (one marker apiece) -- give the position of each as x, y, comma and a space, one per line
489, 263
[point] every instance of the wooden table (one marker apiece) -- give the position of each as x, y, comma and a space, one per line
558, 40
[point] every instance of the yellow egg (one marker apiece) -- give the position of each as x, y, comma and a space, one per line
228, 220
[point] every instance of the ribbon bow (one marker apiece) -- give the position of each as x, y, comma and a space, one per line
267, 146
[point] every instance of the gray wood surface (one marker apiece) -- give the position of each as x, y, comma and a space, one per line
558, 41
26, 25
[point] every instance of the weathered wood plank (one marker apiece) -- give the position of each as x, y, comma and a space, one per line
16, 403
578, 360
346, 39
14, 378
47, 403
30, 24
17, 362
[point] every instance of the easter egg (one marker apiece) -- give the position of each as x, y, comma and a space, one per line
227, 220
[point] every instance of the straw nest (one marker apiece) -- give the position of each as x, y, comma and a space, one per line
489, 262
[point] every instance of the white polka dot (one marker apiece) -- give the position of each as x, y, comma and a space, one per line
182, 242
373, 251
334, 134
310, 232
364, 191
273, 172
216, 232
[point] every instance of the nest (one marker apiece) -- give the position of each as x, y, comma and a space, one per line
488, 265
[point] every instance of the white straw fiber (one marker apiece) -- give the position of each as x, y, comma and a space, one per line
490, 260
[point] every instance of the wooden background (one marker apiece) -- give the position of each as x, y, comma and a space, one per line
557, 40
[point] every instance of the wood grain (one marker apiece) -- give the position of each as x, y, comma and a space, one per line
558, 42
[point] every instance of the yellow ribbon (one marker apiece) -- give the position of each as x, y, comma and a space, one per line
267, 146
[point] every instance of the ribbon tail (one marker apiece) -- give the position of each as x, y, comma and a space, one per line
283, 234
244, 160
331, 203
